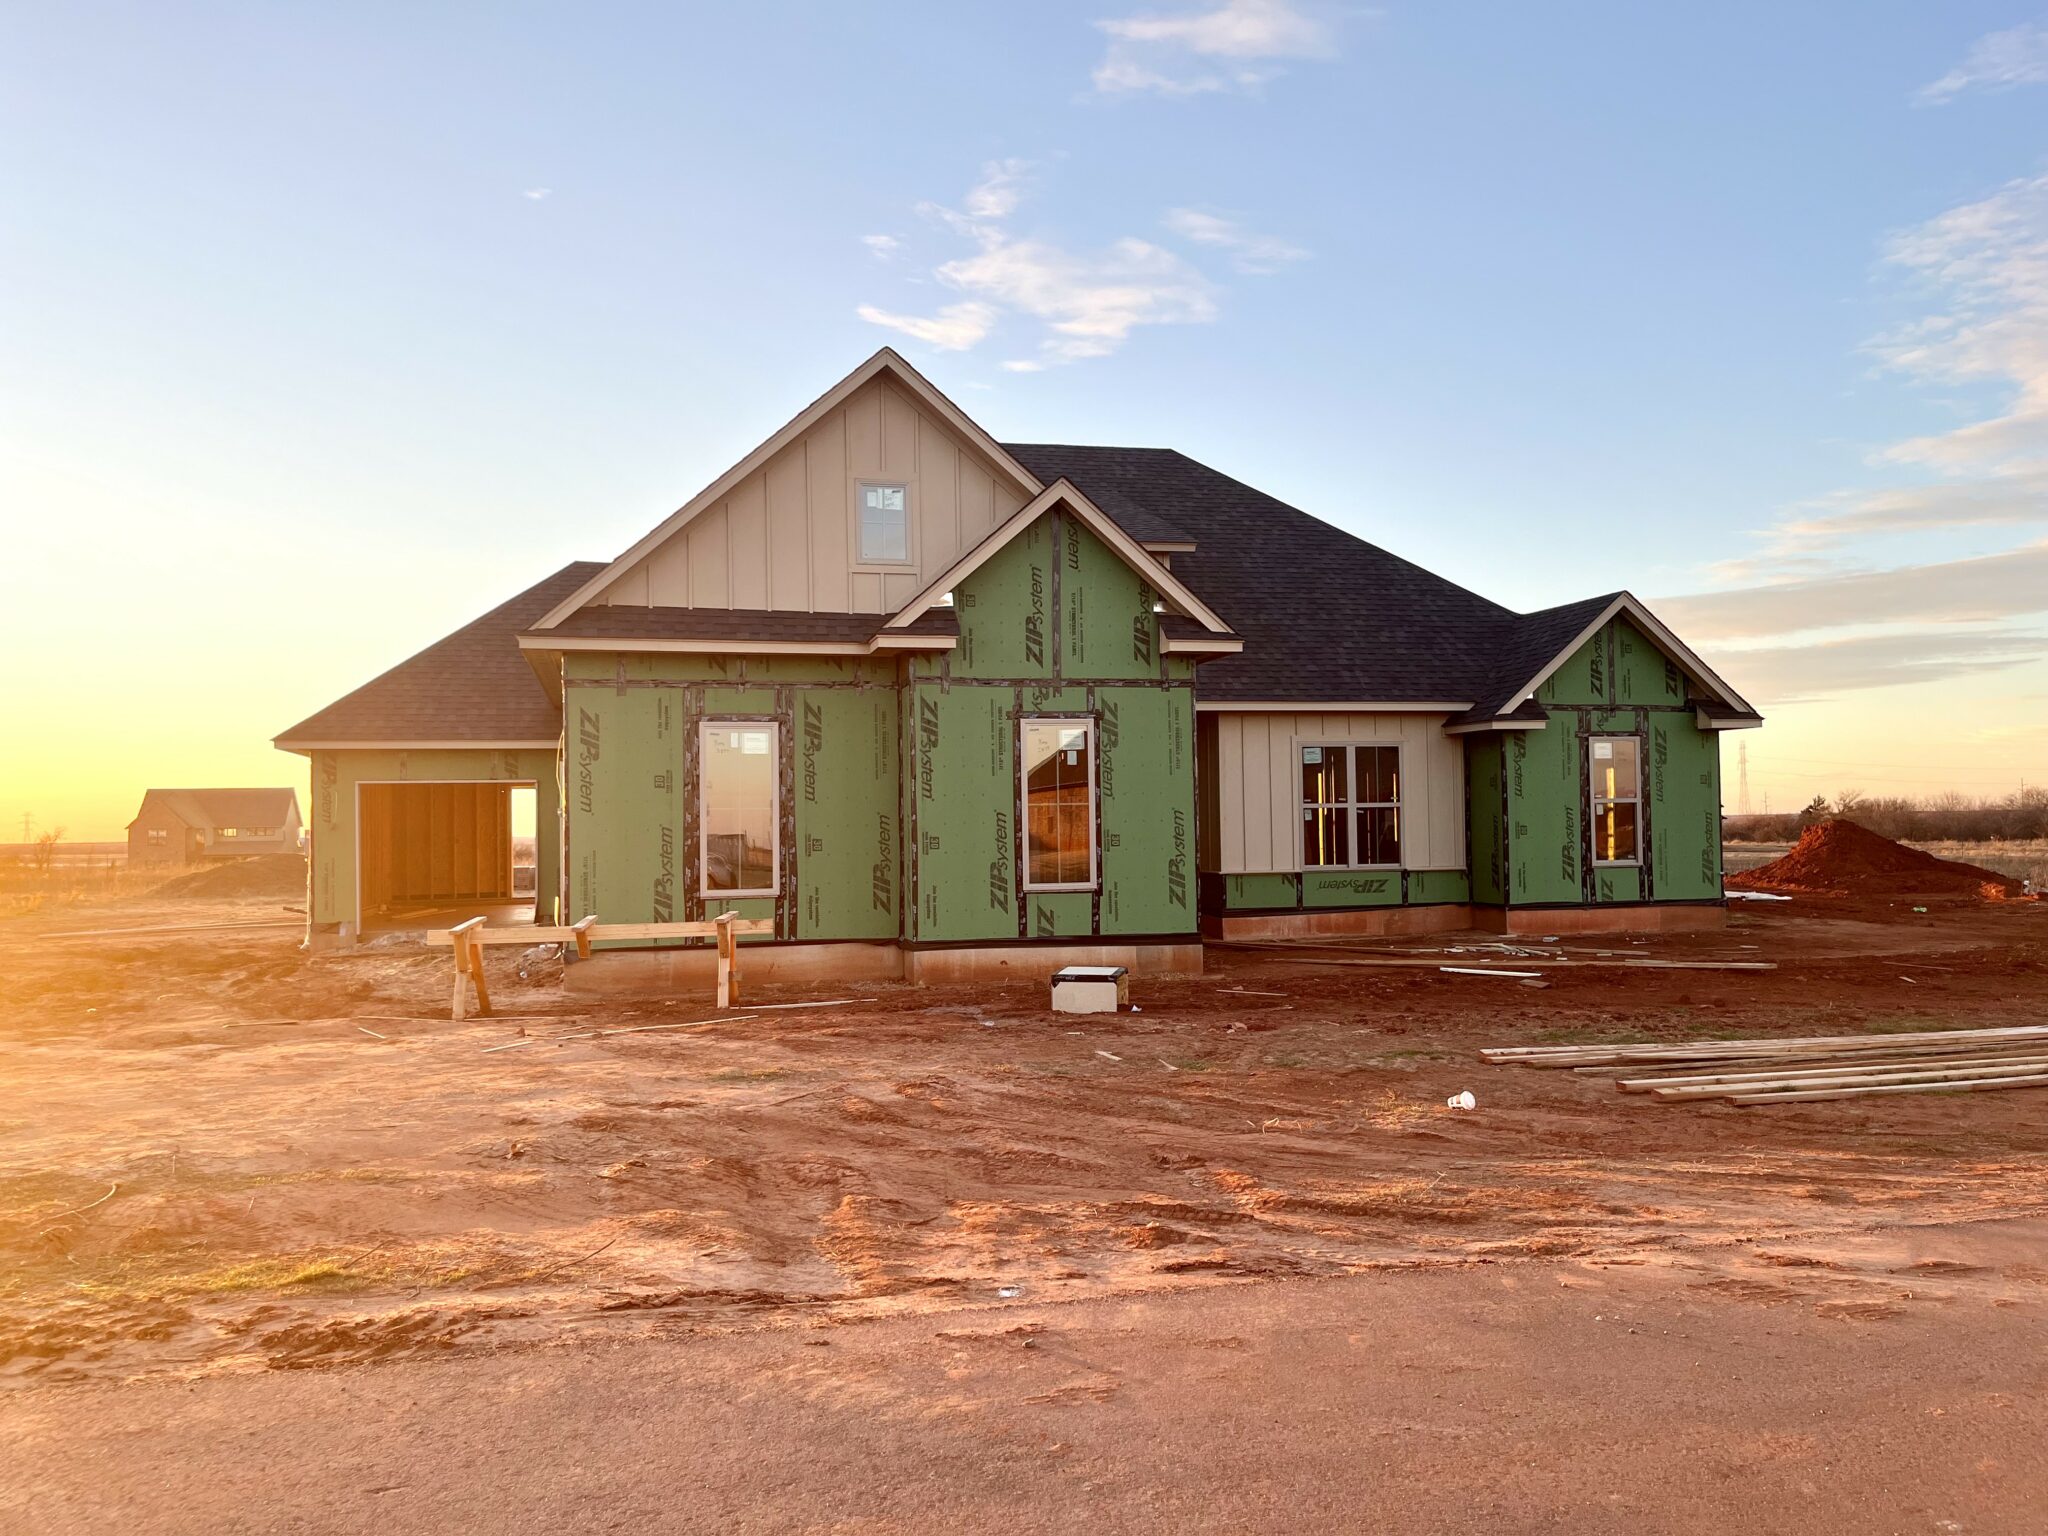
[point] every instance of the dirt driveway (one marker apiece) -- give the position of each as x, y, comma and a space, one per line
1578, 1396
311, 1165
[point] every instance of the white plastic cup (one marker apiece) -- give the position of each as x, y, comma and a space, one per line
1461, 1101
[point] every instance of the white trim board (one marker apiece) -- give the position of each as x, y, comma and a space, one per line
417, 746
550, 643
1313, 707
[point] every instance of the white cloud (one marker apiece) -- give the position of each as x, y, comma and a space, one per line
1087, 302
1980, 273
1000, 189
536, 194
1978, 590
1238, 29
1090, 302
2017, 56
1223, 49
883, 246
1799, 674
1986, 266
953, 329
1258, 255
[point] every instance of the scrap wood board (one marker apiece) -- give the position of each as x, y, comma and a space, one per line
1311, 953
1809, 1068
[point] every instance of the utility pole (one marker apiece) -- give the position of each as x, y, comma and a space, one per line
1742, 790
27, 820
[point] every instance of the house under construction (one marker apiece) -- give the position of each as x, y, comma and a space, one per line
937, 704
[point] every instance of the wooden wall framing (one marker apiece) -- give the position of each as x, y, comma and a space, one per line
424, 844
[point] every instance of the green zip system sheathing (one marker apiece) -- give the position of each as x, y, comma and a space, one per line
1054, 625
1530, 795
336, 776
630, 723
1321, 889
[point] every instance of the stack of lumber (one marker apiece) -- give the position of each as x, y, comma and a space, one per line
1814, 1067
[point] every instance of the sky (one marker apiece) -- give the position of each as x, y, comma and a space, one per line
324, 329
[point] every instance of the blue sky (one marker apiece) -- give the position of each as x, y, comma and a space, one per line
323, 330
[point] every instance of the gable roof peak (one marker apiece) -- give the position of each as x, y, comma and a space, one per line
884, 359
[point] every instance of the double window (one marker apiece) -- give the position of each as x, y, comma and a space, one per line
1350, 807
738, 794
883, 537
159, 837
1058, 790
1617, 799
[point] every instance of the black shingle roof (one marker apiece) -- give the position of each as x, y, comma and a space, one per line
473, 686
1116, 481
1325, 617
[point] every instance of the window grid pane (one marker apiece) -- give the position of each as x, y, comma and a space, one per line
1350, 806
884, 523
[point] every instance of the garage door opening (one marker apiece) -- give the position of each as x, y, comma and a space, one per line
431, 855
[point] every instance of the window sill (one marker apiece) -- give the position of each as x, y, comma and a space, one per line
738, 895
1061, 890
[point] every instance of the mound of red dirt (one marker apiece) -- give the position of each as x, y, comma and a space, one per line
276, 874
1840, 857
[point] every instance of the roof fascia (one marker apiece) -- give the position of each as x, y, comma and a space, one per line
1627, 603
1476, 726
1712, 722
286, 744
1345, 707
1133, 554
887, 360
554, 644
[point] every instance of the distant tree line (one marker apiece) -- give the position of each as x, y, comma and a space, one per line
1952, 817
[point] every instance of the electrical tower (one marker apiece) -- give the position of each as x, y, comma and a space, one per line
1742, 779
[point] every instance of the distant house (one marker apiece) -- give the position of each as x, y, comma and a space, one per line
185, 826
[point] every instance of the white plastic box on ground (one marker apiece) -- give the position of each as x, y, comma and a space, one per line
1091, 989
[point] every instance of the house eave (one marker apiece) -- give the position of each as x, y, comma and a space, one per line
286, 744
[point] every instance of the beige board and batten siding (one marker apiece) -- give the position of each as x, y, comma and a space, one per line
783, 538
1256, 776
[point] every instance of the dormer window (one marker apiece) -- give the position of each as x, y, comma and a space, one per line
884, 523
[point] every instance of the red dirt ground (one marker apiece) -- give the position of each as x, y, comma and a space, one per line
1842, 858
312, 1166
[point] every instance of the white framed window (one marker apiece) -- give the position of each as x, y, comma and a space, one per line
739, 826
158, 836
882, 512
227, 832
1617, 799
1350, 806
1056, 783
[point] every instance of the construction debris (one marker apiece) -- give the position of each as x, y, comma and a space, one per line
1814, 1067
